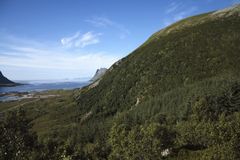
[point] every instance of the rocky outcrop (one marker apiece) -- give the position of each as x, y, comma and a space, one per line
99, 73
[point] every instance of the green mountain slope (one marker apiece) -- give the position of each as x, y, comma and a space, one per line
190, 51
182, 85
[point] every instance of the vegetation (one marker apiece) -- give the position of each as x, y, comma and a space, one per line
176, 97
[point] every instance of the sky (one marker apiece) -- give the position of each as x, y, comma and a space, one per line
68, 39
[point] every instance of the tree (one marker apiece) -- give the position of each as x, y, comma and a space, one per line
16, 139
141, 142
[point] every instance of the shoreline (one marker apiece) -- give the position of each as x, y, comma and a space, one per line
11, 84
16, 96
37, 92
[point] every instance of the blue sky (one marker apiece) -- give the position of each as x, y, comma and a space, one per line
58, 39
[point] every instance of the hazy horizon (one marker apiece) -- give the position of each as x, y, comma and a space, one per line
82, 79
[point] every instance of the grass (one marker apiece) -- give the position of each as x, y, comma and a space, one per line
48, 115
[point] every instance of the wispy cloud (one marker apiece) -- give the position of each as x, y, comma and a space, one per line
122, 31
174, 6
44, 56
78, 40
234, 2
100, 21
177, 11
182, 14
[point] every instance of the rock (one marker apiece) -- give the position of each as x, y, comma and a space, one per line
99, 73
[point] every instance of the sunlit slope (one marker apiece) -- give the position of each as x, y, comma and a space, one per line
187, 52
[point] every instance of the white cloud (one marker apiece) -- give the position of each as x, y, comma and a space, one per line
100, 21
174, 6
122, 31
88, 61
78, 40
53, 57
185, 13
68, 41
176, 13
234, 2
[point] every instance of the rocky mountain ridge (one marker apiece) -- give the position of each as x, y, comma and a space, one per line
99, 73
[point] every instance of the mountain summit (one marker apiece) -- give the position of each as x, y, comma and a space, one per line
99, 73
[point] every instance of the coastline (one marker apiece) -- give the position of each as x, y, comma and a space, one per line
15, 96
11, 84
36, 91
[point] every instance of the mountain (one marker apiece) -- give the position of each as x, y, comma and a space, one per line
6, 82
193, 50
180, 85
99, 73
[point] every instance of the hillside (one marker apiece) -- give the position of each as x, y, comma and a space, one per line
187, 70
5, 82
191, 51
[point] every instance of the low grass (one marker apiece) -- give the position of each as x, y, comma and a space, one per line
49, 115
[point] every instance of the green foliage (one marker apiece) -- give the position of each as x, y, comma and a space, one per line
16, 139
141, 142
175, 60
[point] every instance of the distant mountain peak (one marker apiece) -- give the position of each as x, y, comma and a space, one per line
99, 73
